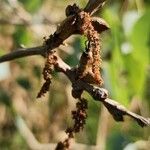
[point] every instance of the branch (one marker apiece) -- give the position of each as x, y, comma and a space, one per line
13, 22
29, 137
34, 144
23, 52
117, 110
65, 30
60, 35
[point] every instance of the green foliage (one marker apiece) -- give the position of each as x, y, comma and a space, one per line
37, 71
127, 70
15, 142
32, 5
92, 121
116, 66
140, 55
5, 97
117, 141
22, 36
24, 82
2, 52
78, 46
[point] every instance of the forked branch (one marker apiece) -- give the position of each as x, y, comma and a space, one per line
54, 41
78, 21
117, 110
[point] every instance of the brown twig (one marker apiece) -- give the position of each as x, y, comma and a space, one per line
54, 41
23, 52
67, 28
45, 21
34, 144
117, 110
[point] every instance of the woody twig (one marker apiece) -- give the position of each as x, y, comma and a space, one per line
86, 76
61, 34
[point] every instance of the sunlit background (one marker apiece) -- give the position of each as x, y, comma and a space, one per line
26, 121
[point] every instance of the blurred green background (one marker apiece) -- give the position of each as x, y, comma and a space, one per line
125, 69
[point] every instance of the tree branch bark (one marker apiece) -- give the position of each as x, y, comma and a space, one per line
23, 52
55, 40
63, 32
117, 110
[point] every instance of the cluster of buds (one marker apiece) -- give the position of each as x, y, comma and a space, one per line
47, 71
79, 116
88, 69
90, 61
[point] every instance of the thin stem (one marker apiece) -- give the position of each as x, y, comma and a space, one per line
117, 110
23, 52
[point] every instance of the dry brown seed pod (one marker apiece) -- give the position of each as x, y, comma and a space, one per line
99, 24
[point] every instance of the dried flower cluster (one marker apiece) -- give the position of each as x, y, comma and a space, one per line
88, 69
79, 116
47, 71
86, 74
90, 61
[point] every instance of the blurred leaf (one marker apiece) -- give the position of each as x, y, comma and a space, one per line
5, 97
111, 16
92, 120
22, 36
140, 55
18, 142
147, 88
22, 62
116, 66
32, 5
116, 140
140, 33
2, 52
79, 45
37, 71
15, 141
24, 82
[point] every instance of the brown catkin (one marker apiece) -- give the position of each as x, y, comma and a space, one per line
86, 28
47, 71
88, 70
79, 116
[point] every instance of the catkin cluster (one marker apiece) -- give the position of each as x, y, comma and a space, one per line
79, 116
47, 71
88, 70
90, 61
